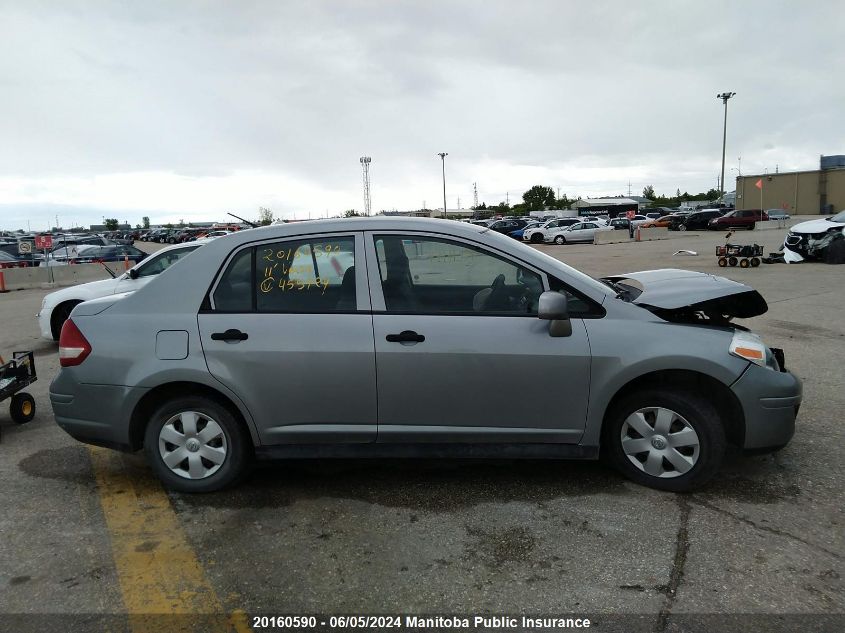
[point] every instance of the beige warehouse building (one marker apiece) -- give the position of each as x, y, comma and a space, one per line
797, 192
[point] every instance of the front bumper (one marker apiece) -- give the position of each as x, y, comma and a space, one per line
770, 402
94, 414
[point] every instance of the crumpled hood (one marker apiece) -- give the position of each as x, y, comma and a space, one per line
816, 226
674, 289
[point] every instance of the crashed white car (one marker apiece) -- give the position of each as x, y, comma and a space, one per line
811, 240
58, 305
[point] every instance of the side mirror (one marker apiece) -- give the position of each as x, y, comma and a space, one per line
553, 307
133, 273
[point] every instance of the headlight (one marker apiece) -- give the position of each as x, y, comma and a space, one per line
750, 347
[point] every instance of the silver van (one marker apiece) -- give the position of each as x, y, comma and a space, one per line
380, 337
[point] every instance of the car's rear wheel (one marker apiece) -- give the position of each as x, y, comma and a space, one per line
682, 227
536, 238
670, 440
194, 444
559, 239
751, 226
60, 314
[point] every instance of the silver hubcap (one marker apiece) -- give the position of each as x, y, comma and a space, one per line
660, 442
192, 445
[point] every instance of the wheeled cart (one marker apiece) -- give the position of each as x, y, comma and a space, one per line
743, 254
15, 376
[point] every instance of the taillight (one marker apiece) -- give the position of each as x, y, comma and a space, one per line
73, 346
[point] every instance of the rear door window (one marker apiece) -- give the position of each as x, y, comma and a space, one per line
315, 275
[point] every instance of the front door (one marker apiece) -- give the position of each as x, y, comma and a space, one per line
460, 353
288, 329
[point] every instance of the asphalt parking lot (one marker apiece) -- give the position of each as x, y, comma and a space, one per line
88, 531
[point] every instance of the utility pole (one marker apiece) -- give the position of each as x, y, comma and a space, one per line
724, 97
508, 198
629, 187
443, 156
459, 202
365, 167
475, 194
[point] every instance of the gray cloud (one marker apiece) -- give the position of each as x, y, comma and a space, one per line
208, 89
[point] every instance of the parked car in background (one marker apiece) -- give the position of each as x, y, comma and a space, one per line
693, 221
777, 214
737, 219
517, 235
661, 222
61, 256
620, 223
10, 261
57, 305
114, 253
538, 234
507, 226
578, 232
192, 368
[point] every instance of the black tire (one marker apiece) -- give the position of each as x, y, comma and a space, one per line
732, 261
60, 314
239, 449
559, 239
744, 263
22, 408
751, 226
536, 238
722, 262
755, 261
698, 412
682, 227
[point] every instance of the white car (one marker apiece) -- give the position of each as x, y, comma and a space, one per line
579, 232
810, 240
539, 234
58, 305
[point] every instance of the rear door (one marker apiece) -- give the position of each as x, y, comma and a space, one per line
288, 328
460, 352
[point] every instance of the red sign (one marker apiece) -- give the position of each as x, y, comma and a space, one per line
43, 242
630, 214
759, 184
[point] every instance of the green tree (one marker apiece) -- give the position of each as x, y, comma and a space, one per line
648, 192
265, 216
146, 222
538, 198
351, 213
111, 224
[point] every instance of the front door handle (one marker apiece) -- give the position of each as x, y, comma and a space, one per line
408, 336
230, 336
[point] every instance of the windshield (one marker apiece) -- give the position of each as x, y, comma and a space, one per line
159, 263
839, 217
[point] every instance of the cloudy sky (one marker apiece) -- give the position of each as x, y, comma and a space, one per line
187, 110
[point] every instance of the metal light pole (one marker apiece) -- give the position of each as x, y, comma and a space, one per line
724, 97
443, 156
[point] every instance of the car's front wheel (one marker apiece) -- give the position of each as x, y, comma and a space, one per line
61, 313
536, 238
559, 239
682, 227
670, 440
194, 444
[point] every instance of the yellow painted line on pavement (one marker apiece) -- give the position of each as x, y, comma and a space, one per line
159, 572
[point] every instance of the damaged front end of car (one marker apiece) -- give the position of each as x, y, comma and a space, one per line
694, 298
798, 247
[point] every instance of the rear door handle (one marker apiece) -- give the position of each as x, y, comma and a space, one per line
408, 336
230, 335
